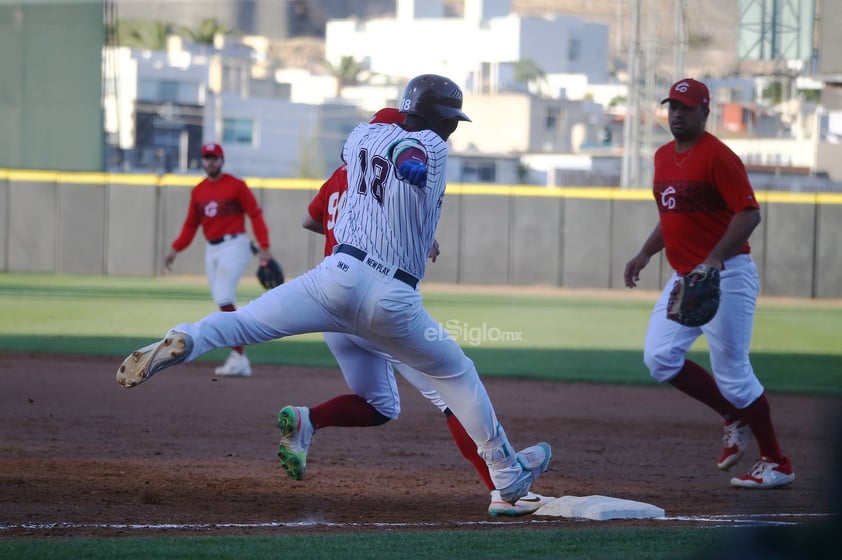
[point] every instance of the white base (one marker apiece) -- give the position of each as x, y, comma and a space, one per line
599, 508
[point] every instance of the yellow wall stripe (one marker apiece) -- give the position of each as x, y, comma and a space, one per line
594, 193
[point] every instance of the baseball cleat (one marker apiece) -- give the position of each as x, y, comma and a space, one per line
296, 436
532, 462
237, 365
734, 442
149, 360
766, 474
524, 506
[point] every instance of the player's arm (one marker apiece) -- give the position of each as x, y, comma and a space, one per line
313, 225
434, 251
729, 174
188, 232
739, 230
252, 208
410, 159
653, 245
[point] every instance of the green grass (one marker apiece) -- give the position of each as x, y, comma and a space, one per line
591, 544
556, 336
573, 543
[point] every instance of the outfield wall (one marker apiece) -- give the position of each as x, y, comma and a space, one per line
122, 224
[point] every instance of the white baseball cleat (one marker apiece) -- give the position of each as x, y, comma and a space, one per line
735, 439
524, 506
766, 473
237, 365
149, 360
532, 462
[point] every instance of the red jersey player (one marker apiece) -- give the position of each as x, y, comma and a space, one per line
219, 205
707, 212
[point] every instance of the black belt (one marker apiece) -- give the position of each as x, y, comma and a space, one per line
219, 240
360, 255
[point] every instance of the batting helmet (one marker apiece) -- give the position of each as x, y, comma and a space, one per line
433, 98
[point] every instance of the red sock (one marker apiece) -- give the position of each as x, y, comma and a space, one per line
468, 447
232, 307
345, 411
758, 415
694, 381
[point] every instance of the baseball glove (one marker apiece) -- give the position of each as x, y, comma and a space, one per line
270, 274
694, 299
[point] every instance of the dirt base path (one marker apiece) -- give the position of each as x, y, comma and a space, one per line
79, 455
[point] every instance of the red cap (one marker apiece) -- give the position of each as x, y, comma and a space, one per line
689, 92
212, 150
388, 115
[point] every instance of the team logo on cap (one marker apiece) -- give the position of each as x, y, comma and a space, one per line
682, 87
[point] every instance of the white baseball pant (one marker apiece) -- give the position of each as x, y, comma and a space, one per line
728, 334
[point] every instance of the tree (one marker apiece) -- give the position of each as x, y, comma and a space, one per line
347, 73
141, 34
526, 71
529, 73
207, 31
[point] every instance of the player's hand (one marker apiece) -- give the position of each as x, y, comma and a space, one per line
415, 172
434, 251
170, 258
631, 274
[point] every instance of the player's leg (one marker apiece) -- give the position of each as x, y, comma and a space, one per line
374, 402
230, 259
296, 307
665, 348
463, 441
729, 338
468, 448
402, 327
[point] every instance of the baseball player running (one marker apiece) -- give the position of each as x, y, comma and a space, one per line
367, 287
707, 213
369, 373
219, 205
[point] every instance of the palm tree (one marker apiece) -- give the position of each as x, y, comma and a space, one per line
147, 35
526, 71
533, 76
347, 73
207, 31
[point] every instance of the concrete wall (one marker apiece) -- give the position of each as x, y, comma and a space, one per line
122, 224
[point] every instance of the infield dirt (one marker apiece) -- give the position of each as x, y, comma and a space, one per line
186, 448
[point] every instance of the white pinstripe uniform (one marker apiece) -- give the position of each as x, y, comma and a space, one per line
391, 226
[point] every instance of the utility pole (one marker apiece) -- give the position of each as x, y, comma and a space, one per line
681, 40
630, 173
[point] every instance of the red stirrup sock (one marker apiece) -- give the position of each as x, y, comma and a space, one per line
468, 447
693, 380
345, 411
758, 415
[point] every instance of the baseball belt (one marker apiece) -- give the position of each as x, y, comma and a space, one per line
361, 255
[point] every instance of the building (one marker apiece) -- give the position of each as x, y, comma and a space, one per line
160, 107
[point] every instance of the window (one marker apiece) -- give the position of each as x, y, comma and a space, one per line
575, 50
157, 91
551, 120
478, 171
238, 131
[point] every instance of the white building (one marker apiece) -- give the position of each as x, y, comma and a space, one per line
478, 51
160, 107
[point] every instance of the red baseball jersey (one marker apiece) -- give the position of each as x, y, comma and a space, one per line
328, 201
220, 207
697, 193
